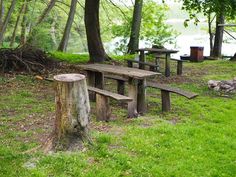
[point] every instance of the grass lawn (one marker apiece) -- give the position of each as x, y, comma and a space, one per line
197, 138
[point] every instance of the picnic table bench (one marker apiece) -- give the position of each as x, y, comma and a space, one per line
165, 52
165, 91
156, 66
165, 94
103, 109
136, 83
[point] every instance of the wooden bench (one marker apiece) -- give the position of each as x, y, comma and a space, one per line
179, 63
165, 94
152, 67
103, 110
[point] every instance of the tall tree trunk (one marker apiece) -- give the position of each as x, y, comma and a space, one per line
53, 31
23, 24
17, 24
135, 29
211, 35
64, 41
6, 20
220, 19
46, 11
95, 46
1, 13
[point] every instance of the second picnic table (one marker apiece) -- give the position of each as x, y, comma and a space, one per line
136, 82
157, 51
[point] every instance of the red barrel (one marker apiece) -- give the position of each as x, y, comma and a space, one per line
196, 54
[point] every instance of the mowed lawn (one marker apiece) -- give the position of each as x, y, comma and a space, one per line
197, 138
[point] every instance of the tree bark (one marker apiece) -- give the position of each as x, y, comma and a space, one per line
23, 24
72, 111
53, 31
1, 13
17, 24
95, 46
217, 49
135, 29
46, 11
6, 20
211, 35
64, 41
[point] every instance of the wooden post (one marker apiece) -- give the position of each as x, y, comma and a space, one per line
142, 59
91, 82
179, 68
132, 105
103, 110
99, 80
72, 110
95, 79
141, 104
152, 68
130, 64
121, 87
167, 69
165, 98
157, 62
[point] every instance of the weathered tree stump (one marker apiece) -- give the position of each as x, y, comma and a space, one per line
72, 111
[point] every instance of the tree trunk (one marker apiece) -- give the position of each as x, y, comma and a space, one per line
17, 24
95, 46
1, 13
211, 35
6, 20
135, 29
23, 24
72, 111
218, 36
53, 31
46, 11
64, 41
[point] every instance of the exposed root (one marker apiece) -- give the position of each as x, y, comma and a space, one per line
26, 59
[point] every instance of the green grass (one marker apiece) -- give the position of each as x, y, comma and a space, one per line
82, 58
197, 138
70, 58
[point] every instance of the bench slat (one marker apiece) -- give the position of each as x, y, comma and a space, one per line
171, 89
110, 94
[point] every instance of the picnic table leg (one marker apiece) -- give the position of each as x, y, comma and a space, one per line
141, 100
132, 105
99, 80
179, 68
91, 82
121, 87
142, 59
95, 79
157, 62
165, 98
167, 69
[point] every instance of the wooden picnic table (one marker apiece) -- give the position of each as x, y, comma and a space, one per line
136, 82
166, 52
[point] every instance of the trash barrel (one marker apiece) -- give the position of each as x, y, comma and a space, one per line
196, 54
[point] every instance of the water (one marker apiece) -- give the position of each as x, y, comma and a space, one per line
197, 36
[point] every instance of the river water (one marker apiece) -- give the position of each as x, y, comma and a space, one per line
197, 36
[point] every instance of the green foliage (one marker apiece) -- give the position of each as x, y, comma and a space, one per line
226, 7
41, 38
153, 27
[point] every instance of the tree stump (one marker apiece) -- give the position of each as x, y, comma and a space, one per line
72, 111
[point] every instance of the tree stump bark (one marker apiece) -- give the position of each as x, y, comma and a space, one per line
72, 111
